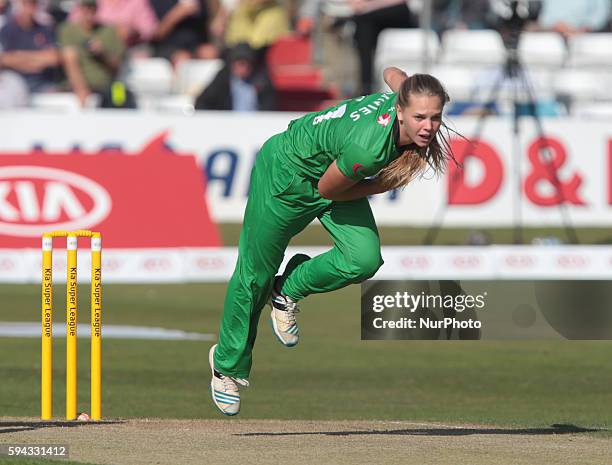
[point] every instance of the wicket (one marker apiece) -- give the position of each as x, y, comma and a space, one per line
71, 324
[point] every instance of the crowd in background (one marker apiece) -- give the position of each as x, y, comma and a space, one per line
81, 45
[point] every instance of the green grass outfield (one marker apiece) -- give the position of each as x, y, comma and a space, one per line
331, 374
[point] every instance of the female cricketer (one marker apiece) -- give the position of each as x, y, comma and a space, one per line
323, 166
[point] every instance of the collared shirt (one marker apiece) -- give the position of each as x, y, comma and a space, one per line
356, 133
590, 14
244, 95
40, 37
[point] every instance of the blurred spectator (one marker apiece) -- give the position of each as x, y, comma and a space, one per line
218, 25
371, 17
329, 24
59, 10
460, 14
240, 85
92, 52
4, 11
28, 48
42, 13
546, 240
570, 17
478, 237
256, 22
183, 30
308, 15
134, 20
311, 11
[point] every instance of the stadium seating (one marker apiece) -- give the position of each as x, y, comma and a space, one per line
468, 62
592, 110
299, 83
542, 49
405, 45
472, 47
572, 85
291, 65
177, 104
460, 81
148, 76
405, 49
592, 50
63, 102
192, 76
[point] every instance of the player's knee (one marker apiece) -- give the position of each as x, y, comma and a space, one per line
364, 265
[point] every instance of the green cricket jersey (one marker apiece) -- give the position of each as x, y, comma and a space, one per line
357, 133
360, 135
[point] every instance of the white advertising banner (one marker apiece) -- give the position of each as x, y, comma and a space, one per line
212, 264
565, 177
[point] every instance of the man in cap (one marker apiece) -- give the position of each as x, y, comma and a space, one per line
241, 85
92, 52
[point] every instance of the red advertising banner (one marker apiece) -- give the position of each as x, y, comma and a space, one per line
153, 198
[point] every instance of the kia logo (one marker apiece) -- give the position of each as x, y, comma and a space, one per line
153, 264
36, 199
572, 261
467, 261
519, 261
210, 262
7, 264
111, 265
420, 262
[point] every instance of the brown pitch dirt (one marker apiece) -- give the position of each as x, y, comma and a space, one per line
234, 441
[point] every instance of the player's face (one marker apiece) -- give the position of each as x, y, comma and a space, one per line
421, 119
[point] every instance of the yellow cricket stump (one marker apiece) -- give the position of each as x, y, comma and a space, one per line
71, 324
71, 327
46, 401
96, 327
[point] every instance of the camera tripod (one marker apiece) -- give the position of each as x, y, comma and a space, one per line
514, 72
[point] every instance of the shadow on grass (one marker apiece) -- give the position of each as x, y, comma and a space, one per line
18, 426
554, 429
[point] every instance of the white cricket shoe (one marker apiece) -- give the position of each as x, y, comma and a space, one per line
282, 317
224, 389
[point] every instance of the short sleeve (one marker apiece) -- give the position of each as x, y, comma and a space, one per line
113, 45
68, 35
358, 163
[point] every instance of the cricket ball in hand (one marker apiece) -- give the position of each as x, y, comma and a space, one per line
83, 417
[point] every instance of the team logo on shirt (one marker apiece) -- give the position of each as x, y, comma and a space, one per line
39, 39
358, 169
384, 120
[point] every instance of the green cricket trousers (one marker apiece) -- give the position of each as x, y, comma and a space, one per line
282, 203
